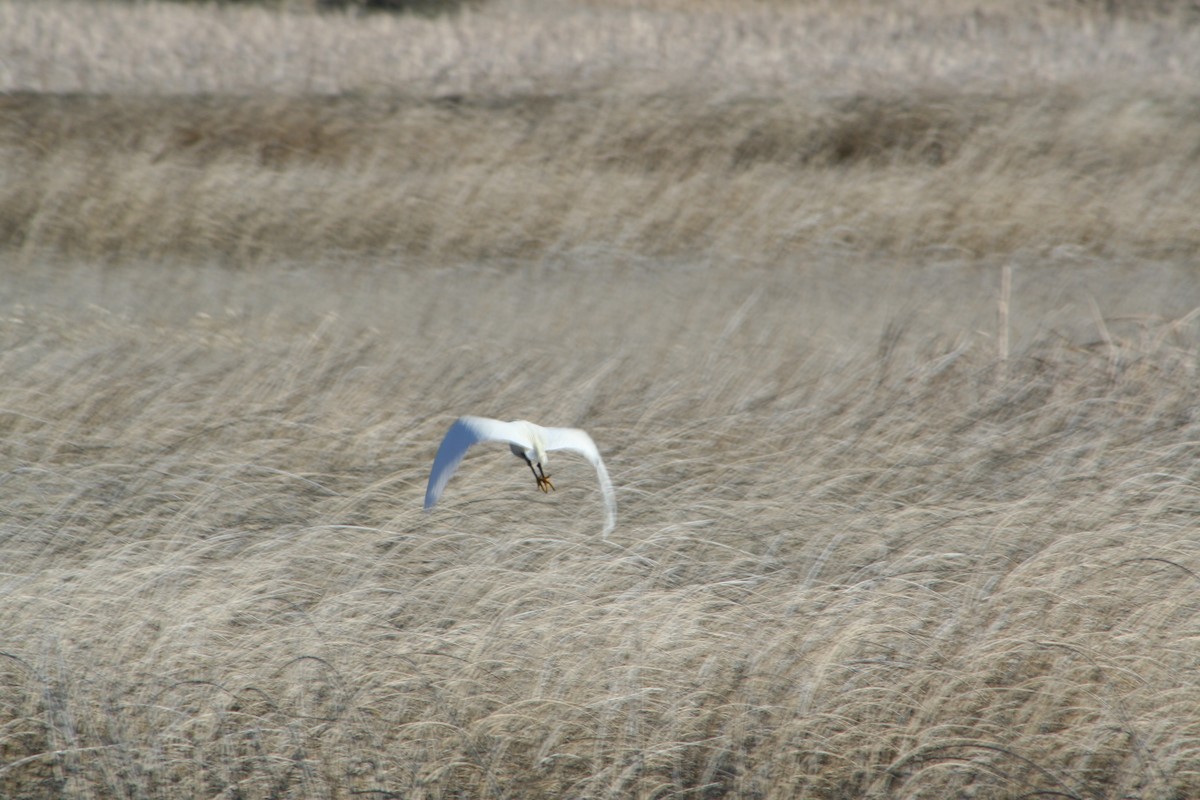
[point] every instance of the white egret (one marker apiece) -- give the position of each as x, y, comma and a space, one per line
527, 441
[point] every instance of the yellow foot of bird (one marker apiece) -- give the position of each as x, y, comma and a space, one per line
544, 484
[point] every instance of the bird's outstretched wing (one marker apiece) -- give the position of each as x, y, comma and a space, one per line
465, 432
579, 441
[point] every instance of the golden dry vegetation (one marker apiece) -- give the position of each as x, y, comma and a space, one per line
882, 314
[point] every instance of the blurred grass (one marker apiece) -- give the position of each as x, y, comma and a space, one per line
118, 177
254, 263
853, 549
757, 131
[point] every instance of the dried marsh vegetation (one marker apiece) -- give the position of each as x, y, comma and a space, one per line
854, 558
523, 132
877, 537
537, 176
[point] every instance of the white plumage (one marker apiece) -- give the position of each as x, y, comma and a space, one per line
527, 441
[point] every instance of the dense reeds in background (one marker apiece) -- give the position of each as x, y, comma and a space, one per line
882, 315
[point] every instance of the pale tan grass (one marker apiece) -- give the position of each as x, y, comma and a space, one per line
506, 47
757, 179
853, 557
840, 569
525, 131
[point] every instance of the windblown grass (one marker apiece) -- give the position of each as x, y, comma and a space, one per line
869, 543
679, 175
756, 132
852, 557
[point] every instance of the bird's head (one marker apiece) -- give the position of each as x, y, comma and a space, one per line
537, 439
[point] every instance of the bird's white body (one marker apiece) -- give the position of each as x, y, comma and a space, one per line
527, 441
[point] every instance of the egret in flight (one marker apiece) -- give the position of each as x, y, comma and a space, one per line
527, 441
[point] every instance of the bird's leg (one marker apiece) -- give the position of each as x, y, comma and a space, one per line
543, 480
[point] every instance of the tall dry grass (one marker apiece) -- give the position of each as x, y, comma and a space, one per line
675, 175
883, 316
853, 557
515, 46
526, 132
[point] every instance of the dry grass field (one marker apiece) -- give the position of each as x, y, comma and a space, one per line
884, 316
